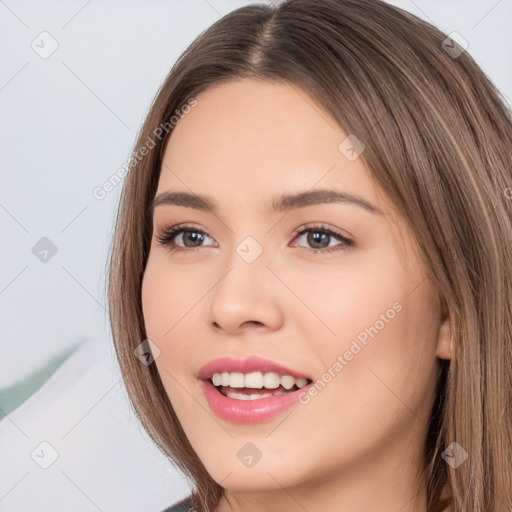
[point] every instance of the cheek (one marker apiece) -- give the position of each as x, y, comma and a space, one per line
165, 302
171, 302
350, 300
165, 299
371, 329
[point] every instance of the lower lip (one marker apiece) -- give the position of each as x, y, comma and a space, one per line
248, 411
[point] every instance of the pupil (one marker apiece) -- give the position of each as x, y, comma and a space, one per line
314, 235
194, 235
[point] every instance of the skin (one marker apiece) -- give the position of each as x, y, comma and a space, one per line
357, 445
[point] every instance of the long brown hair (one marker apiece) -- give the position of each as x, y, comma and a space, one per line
438, 141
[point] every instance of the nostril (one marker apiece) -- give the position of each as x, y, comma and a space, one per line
256, 323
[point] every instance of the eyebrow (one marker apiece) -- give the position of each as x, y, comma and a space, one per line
283, 203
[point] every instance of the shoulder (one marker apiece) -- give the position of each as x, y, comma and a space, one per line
185, 505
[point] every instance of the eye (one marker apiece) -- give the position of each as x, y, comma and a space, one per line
188, 234
320, 237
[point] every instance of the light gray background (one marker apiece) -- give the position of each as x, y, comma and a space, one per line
68, 123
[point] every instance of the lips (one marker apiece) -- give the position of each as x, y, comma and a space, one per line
237, 410
249, 411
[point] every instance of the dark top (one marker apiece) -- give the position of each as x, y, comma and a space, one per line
185, 505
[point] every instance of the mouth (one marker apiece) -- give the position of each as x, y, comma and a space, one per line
251, 389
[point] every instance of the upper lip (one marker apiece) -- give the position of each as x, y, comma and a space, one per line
246, 365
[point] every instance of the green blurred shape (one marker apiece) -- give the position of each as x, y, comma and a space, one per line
13, 396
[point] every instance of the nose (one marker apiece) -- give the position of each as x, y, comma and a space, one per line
246, 297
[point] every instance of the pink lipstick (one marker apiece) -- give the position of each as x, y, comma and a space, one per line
251, 389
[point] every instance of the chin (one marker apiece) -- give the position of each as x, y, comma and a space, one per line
251, 480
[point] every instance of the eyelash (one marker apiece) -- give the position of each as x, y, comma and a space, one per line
166, 238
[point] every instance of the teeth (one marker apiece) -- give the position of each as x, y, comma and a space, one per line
238, 396
301, 382
287, 381
271, 380
253, 380
236, 380
256, 380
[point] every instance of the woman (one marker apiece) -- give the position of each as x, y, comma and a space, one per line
312, 265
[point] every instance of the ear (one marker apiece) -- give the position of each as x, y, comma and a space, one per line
444, 350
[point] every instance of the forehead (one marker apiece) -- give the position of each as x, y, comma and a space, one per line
260, 138
240, 118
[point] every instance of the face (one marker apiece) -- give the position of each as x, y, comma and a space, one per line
346, 303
